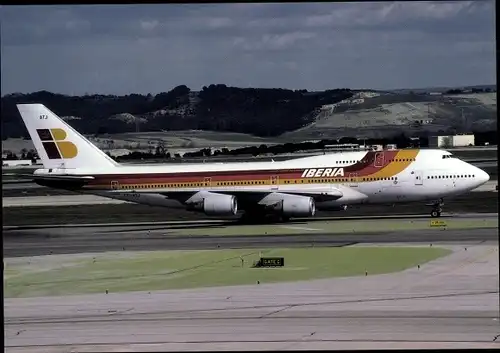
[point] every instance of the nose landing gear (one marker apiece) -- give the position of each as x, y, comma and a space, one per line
436, 213
437, 208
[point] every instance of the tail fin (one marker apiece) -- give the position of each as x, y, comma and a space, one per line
58, 144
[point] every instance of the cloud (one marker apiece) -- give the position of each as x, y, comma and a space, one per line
149, 25
152, 48
273, 41
219, 22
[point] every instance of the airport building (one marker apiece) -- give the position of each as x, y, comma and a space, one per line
451, 141
20, 162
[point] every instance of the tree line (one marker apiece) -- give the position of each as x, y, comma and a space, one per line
256, 111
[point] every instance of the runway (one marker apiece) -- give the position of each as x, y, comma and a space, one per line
451, 302
221, 222
52, 243
32, 241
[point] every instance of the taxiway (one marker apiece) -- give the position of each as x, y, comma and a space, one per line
451, 302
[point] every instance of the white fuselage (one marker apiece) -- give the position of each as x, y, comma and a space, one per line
428, 177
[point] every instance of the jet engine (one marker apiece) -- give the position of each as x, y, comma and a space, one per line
296, 206
216, 205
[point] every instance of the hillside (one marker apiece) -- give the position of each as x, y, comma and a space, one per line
372, 114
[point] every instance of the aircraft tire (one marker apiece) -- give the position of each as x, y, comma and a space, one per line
435, 213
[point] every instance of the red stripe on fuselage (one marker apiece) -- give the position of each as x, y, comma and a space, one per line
363, 168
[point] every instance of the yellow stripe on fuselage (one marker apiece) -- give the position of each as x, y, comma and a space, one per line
246, 183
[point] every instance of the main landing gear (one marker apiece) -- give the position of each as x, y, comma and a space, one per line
262, 218
437, 208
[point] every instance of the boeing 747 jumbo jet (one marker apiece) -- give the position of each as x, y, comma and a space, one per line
285, 189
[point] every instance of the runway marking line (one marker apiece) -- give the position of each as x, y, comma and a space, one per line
302, 228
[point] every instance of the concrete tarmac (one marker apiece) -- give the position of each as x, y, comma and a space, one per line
451, 302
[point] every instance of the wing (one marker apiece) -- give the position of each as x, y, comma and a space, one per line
255, 195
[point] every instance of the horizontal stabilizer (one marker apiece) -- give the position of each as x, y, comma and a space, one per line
62, 181
60, 177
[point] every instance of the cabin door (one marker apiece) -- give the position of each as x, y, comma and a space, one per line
274, 182
115, 185
353, 179
419, 177
207, 182
379, 160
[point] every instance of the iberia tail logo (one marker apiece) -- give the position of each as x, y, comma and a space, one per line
55, 144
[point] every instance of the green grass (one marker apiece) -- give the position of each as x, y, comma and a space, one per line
335, 227
190, 269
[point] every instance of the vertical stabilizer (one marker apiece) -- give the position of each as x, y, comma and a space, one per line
58, 144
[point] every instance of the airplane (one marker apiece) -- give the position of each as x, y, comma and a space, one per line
280, 189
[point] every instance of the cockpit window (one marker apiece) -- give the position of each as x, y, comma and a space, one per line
445, 156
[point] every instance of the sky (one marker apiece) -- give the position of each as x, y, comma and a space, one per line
123, 49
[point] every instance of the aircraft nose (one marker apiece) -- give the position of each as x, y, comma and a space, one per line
482, 176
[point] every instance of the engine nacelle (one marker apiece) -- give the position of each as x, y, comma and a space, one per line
216, 205
296, 206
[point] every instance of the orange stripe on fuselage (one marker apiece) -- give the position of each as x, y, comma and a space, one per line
402, 160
